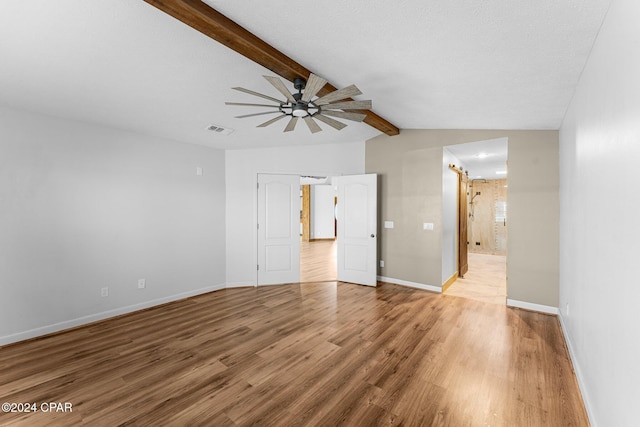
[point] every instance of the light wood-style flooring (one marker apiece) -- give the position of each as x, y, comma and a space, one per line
315, 354
318, 261
485, 281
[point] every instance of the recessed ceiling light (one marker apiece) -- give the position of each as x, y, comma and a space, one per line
501, 172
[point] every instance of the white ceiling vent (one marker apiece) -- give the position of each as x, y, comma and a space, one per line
220, 129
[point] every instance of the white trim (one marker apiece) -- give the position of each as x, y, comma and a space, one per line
531, 306
422, 286
241, 285
578, 372
68, 324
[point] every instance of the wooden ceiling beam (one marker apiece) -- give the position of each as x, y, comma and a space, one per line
215, 25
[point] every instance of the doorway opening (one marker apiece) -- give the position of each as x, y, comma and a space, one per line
318, 230
482, 220
280, 228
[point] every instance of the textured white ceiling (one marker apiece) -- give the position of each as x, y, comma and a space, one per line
482, 159
464, 64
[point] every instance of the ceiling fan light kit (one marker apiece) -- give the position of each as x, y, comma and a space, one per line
301, 105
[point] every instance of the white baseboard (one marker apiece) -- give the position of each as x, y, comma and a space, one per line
72, 323
240, 285
531, 306
578, 371
422, 286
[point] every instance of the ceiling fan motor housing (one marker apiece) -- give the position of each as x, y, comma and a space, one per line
299, 108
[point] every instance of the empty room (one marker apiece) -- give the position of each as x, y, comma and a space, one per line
414, 213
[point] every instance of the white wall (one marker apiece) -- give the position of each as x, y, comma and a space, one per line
322, 212
84, 207
600, 159
242, 167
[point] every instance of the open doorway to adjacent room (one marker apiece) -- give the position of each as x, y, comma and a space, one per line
345, 214
482, 217
318, 229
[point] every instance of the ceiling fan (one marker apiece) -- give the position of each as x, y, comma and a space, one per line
301, 105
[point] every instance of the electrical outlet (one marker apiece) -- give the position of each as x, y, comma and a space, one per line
566, 310
104, 292
381, 263
142, 283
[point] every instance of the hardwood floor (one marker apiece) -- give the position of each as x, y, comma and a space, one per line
324, 354
485, 281
318, 261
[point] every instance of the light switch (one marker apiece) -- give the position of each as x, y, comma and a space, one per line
388, 224
198, 171
427, 226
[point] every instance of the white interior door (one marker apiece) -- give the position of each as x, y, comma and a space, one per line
278, 229
357, 228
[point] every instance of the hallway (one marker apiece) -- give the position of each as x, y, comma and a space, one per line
485, 281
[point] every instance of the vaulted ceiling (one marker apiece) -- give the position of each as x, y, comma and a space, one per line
464, 64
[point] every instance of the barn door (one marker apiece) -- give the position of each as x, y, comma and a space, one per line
463, 263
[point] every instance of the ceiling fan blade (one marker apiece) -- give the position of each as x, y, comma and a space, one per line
313, 126
256, 114
343, 115
277, 83
250, 92
331, 122
339, 94
244, 104
314, 84
267, 123
291, 125
349, 105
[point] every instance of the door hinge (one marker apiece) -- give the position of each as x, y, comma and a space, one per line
258, 185
258, 267
258, 226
